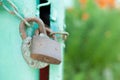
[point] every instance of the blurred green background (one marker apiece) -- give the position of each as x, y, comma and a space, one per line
93, 47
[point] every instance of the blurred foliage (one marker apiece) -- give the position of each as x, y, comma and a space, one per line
93, 47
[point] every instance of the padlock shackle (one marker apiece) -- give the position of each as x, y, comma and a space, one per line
48, 31
37, 20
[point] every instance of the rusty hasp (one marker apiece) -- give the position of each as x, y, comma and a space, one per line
52, 34
64, 34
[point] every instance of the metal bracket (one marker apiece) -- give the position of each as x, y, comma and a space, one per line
43, 4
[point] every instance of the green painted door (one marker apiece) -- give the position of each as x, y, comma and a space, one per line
12, 64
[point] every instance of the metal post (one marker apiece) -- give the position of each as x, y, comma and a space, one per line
57, 24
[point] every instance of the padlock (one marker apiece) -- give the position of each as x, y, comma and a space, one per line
42, 47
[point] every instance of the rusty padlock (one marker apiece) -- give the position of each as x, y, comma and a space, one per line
42, 47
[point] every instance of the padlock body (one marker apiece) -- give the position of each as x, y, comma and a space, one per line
45, 49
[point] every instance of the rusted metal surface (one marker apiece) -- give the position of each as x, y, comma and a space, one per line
45, 49
42, 47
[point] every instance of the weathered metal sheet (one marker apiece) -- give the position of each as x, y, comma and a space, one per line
12, 64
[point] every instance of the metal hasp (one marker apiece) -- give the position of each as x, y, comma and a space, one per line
12, 64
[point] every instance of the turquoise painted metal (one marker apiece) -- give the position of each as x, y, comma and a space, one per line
57, 24
12, 64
